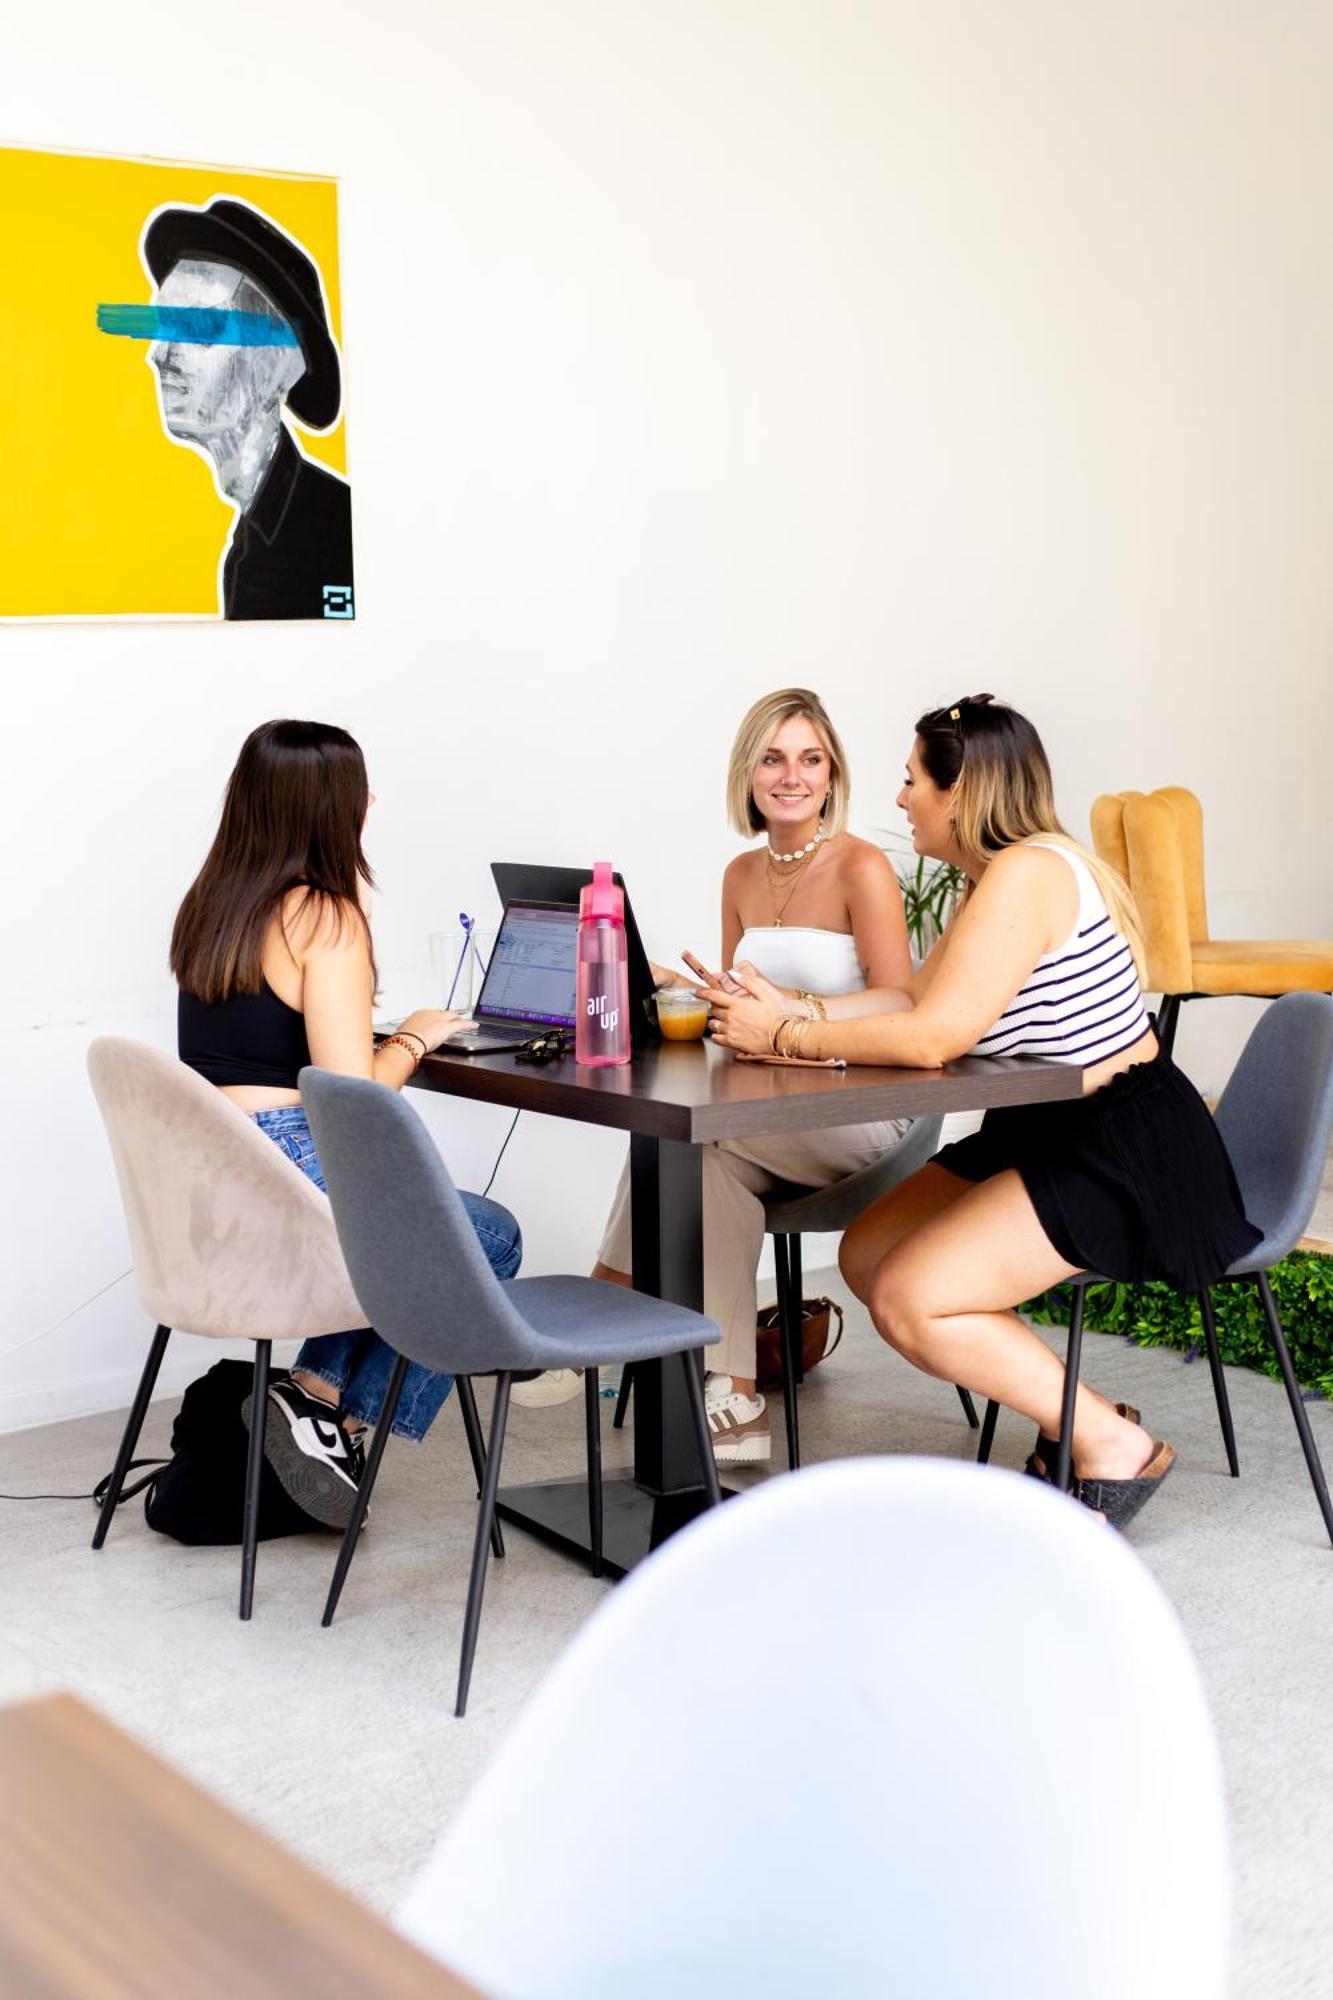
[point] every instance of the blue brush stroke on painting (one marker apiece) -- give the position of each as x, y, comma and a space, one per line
196, 326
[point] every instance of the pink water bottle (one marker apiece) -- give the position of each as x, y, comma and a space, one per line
601, 1024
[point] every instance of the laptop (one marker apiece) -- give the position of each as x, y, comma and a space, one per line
516, 880
530, 982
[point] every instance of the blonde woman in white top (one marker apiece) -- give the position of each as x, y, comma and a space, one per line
819, 911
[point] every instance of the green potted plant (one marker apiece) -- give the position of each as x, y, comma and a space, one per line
931, 891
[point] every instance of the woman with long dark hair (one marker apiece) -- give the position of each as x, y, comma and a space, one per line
272, 952
1131, 1179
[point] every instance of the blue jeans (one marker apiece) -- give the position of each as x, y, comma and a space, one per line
358, 1365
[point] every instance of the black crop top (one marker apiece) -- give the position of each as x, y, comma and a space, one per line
251, 1038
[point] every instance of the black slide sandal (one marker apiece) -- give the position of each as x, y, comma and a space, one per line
1120, 1499
1047, 1449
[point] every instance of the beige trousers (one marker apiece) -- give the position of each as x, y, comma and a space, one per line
736, 1173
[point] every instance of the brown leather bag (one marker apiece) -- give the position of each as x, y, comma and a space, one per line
816, 1315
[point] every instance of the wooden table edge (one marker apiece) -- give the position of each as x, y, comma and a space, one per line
116, 1799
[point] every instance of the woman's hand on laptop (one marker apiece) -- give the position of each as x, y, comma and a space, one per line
434, 1025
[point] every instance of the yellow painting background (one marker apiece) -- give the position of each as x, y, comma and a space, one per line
101, 513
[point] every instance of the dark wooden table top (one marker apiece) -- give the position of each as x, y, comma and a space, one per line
696, 1092
119, 1878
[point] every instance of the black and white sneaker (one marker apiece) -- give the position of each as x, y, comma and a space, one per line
317, 1464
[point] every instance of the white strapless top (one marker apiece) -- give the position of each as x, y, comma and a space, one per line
810, 961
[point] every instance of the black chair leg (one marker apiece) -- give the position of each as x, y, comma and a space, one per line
467, 1403
1167, 1016
1219, 1382
692, 1361
1073, 1354
622, 1400
969, 1408
383, 1427
1293, 1388
481, 1544
988, 1432
254, 1472
797, 1286
791, 1337
592, 1412
143, 1395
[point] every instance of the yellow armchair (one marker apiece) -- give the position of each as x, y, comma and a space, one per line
1155, 841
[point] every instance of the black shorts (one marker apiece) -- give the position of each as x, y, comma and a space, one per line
1133, 1181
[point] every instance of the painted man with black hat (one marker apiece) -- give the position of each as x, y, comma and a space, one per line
243, 334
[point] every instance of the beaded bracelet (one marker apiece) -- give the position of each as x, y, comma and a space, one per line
412, 1036
401, 1042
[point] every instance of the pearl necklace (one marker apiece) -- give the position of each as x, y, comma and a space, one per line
801, 852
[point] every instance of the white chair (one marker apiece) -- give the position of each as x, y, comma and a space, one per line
1004, 1782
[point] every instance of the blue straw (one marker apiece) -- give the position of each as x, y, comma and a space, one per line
467, 922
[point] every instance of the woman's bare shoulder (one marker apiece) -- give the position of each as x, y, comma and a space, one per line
1029, 884
320, 923
862, 862
1029, 865
742, 868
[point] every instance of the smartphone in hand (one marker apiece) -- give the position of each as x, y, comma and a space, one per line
707, 978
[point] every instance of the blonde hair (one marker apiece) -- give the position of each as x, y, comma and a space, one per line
760, 725
994, 762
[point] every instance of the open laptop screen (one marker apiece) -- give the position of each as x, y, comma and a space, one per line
533, 972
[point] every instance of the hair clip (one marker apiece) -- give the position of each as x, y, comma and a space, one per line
955, 715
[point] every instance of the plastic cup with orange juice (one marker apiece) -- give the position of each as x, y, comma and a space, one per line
681, 1014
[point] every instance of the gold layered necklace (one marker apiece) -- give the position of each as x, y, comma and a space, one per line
790, 881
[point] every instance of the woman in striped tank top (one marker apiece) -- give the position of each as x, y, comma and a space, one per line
1132, 1179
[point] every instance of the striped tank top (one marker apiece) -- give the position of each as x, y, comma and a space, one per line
1082, 1003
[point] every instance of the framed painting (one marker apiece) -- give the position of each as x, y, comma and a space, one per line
172, 411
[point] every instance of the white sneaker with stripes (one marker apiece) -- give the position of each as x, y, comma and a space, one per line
737, 1423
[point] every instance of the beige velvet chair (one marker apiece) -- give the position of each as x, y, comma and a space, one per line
229, 1239
1155, 841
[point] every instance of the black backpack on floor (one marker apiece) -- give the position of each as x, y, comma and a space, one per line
198, 1495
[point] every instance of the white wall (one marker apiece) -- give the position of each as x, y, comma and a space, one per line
694, 349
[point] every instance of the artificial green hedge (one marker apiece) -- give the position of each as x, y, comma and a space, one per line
1156, 1315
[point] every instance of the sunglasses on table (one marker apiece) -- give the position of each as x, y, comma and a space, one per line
546, 1048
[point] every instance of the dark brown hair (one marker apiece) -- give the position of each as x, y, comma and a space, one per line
291, 819
1005, 792
993, 761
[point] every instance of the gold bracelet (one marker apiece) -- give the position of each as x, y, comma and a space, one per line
775, 1032
818, 1011
400, 1042
788, 1036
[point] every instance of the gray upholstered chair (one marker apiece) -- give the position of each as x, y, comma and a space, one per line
791, 1210
416, 1263
228, 1239
1276, 1117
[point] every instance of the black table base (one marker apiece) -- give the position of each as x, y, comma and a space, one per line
635, 1520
